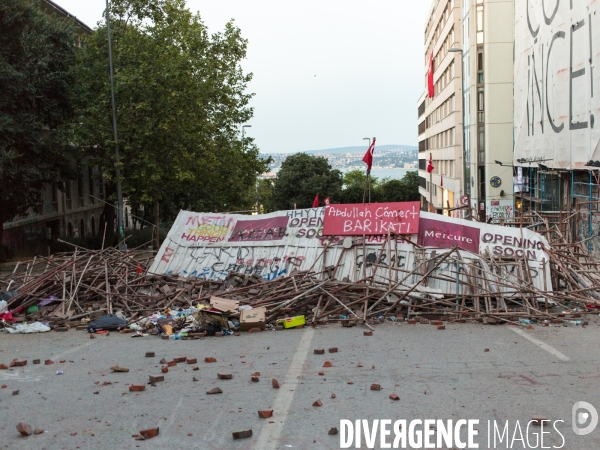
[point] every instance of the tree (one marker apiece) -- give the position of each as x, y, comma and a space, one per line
404, 190
354, 187
301, 177
181, 99
37, 55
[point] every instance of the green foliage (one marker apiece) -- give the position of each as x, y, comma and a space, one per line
181, 99
37, 54
303, 176
394, 190
358, 177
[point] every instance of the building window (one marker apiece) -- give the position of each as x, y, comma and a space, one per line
91, 184
479, 23
68, 196
80, 189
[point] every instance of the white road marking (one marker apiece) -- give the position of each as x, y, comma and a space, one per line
269, 435
541, 344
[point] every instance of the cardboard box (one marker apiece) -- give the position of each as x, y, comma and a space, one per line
253, 318
292, 322
225, 305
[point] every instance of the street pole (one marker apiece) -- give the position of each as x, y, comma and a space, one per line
431, 187
368, 174
466, 190
121, 232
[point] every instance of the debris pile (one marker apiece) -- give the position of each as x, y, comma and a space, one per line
72, 290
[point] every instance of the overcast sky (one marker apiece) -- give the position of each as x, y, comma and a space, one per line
327, 73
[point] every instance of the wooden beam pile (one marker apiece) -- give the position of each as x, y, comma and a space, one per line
67, 288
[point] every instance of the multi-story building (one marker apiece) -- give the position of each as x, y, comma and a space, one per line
487, 57
557, 142
76, 211
440, 116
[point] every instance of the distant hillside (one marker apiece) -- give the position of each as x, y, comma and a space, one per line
358, 149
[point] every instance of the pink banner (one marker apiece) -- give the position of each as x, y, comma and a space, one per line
272, 229
371, 219
435, 233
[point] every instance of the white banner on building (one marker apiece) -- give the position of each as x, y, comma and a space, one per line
557, 82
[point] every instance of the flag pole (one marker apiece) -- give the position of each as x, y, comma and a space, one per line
369, 182
430, 188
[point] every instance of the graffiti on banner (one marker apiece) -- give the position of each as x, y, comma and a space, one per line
256, 230
206, 228
371, 219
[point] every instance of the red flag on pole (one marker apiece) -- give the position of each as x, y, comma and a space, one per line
316, 202
326, 201
430, 86
430, 165
368, 158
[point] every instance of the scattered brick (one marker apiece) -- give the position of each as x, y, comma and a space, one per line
275, 383
215, 391
555, 321
318, 403
224, 376
321, 373
367, 333
332, 395
436, 322
333, 350
149, 433
92, 336
441, 327
210, 360
149, 354
36, 361
265, 414
166, 338
38, 431
486, 350
394, 397
537, 420
24, 428
327, 364
195, 368
191, 360
118, 368
171, 364
164, 369
16, 392
255, 379
333, 431
278, 327
218, 334
18, 363
319, 351
350, 382
3, 367
242, 434
256, 374
375, 387
180, 359
156, 378
4, 386
163, 361
412, 322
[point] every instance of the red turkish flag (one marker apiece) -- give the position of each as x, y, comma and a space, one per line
430, 86
316, 202
430, 165
368, 158
326, 201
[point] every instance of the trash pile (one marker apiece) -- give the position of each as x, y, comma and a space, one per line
80, 288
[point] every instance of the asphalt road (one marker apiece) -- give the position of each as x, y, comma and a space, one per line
438, 374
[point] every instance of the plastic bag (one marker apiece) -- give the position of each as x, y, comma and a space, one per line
107, 322
35, 327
